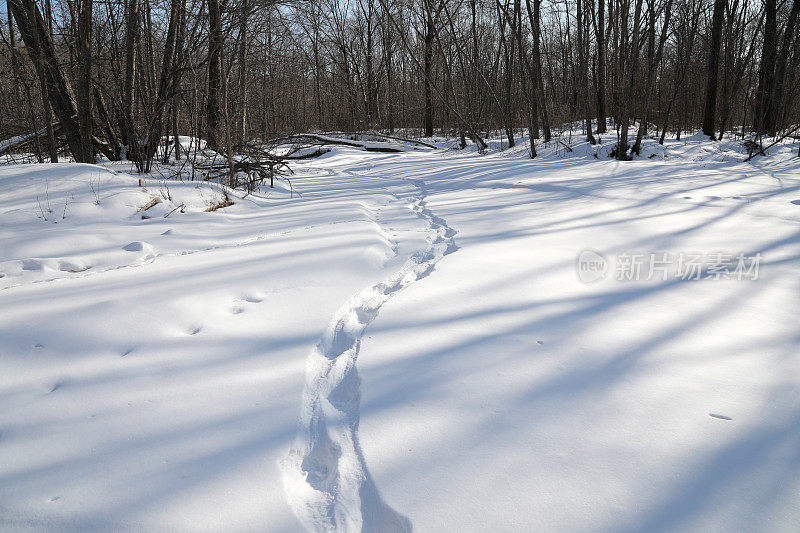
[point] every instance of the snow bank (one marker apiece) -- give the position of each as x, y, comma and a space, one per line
405, 344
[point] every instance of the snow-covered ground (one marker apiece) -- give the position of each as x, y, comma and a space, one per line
196, 371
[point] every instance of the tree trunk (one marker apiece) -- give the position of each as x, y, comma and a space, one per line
778, 97
428, 64
48, 114
175, 136
507, 50
85, 81
241, 60
630, 64
131, 46
583, 73
534, 16
40, 48
686, 49
600, 32
214, 75
387, 60
105, 122
712, 71
764, 119
654, 56
524, 74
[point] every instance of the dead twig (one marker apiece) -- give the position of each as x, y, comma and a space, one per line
179, 207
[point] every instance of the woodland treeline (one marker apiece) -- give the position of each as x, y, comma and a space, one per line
116, 77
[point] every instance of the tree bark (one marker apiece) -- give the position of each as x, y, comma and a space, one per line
507, 50
241, 60
686, 50
131, 46
215, 41
712, 69
763, 121
48, 114
428, 65
40, 48
632, 57
778, 97
583, 73
534, 16
524, 74
85, 81
654, 56
600, 32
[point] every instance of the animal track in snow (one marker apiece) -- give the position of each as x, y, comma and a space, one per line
721, 417
136, 246
325, 473
31, 264
145, 248
73, 266
237, 308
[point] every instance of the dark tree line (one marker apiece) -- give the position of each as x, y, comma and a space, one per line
119, 77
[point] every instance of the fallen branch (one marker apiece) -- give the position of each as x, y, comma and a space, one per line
224, 203
179, 207
565, 145
148, 205
764, 150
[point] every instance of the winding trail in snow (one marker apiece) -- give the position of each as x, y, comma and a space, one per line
325, 473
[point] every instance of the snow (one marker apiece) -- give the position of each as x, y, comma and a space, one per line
514, 394
404, 345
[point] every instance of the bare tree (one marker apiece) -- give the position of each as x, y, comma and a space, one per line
712, 73
215, 74
764, 118
583, 73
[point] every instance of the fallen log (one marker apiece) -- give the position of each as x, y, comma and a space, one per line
316, 153
226, 202
27, 143
149, 204
315, 138
386, 149
402, 139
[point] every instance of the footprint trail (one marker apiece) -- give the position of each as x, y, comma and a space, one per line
325, 474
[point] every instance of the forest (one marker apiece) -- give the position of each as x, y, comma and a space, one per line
386, 266
116, 78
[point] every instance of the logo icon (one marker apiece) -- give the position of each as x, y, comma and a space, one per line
591, 266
